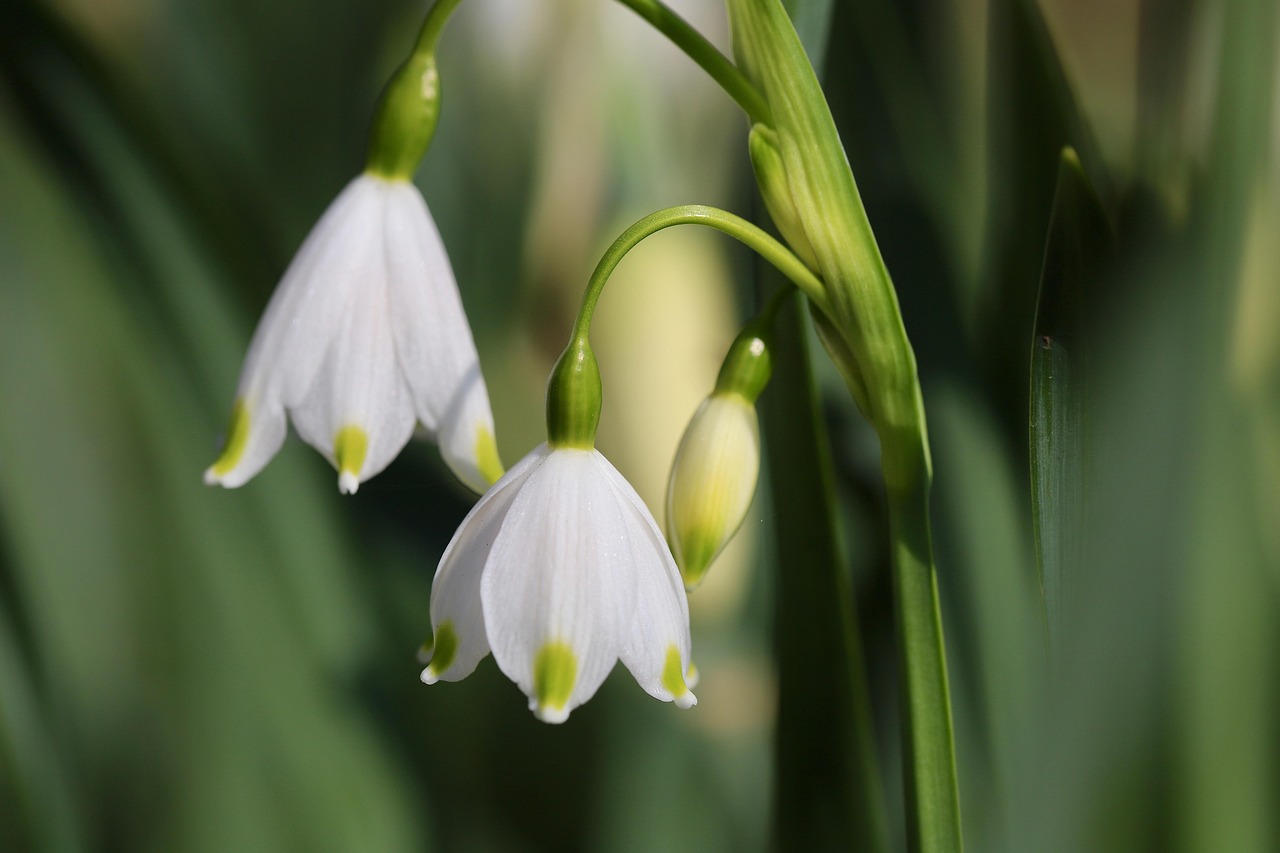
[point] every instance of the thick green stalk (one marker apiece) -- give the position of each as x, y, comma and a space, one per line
933, 804
865, 334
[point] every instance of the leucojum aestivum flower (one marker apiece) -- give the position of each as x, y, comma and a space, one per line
366, 335
560, 569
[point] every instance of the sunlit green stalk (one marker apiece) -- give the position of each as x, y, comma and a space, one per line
811, 193
703, 52
933, 804
740, 229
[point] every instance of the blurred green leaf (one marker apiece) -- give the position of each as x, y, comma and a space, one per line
1033, 113
987, 577
828, 794
1079, 239
190, 639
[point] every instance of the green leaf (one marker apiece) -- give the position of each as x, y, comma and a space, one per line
1078, 243
191, 645
829, 795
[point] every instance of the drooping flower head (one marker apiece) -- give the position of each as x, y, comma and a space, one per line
560, 571
365, 334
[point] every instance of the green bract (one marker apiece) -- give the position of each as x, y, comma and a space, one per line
816, 205
771, 178
808, 186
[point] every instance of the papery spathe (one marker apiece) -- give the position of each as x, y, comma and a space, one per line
365, 335
560, 571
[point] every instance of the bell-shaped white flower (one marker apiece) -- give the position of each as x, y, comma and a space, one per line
365, 335
560, 571
712, 482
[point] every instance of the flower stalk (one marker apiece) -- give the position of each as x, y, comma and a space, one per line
809, 189
705, 54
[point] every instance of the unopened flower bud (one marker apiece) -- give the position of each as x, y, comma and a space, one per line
718, 462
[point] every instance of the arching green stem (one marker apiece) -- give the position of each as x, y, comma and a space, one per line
436, 18
703, 52
740, 229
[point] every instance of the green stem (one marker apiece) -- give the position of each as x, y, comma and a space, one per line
933, 803
767, 317
703, 52
740, 229
436, 18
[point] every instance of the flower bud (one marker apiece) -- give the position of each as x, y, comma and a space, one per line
714, 476
771, 178
712, 482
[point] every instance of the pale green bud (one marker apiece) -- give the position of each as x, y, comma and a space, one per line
712, 481
748, 365
406, 119
574, 398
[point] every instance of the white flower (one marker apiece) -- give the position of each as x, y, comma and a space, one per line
712, 481
560, 570
364, 335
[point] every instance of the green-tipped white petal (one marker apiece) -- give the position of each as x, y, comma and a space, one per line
456, 615
466, 438
358, 412
658, 648
559, 575
254, 435
292, 338
364, 335
712, 482
560, 570
434, 342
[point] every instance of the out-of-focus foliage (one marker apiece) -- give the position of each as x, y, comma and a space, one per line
192, 669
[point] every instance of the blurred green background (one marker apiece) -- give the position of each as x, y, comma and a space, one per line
187, 669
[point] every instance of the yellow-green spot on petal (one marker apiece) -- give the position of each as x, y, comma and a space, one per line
237, 440
426, 650
555, 671
673, 673
487, 459
349, 448
446, 648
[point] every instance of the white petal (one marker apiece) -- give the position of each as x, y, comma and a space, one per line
466, 435
255, 434
557, 581
311, 300
358, 411
433, 340
658, 649
455, 592
292, 337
